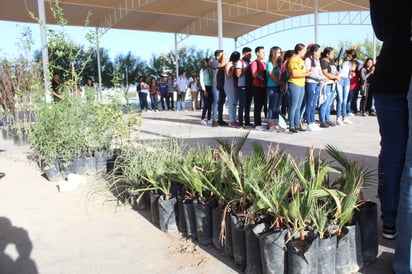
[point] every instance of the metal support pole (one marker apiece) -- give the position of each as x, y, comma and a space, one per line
44, 52
316, 15
219, 24
99, 72
177, 56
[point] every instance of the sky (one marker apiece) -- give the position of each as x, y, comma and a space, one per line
145, 44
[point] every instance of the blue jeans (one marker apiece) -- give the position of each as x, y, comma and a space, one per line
343, 92
324, 109
242, 93
352, 104
296, 94
312, 96
215, 104
231, 106
180, 102
275, 101
392, 114
143, 101
403, 250
154, 102
207, 103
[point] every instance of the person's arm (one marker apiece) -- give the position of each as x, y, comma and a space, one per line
271, 73
239, 69
254, 69
202, 80
54, 91
56, 94
295, 73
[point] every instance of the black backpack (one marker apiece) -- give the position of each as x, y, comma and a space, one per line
248, 75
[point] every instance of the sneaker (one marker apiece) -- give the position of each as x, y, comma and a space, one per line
301, 129
389, 232
347, 121
330, 123
223, 124
215, 124
351, 114
292, 130
324, 125
339, 121
248, 126
203, 122
315, 127
261, 128
234, 124
210, 123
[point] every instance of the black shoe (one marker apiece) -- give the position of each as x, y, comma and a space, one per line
247, 126
389, 232
301, 129
2, 174
223, 124
293, 130
330, 123
324, 125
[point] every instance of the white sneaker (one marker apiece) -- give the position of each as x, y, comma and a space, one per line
210, 123
261, 128
313, 127
339, 121
203, 122
347, 121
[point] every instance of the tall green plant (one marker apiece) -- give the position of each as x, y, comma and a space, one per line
354, 176
272, 196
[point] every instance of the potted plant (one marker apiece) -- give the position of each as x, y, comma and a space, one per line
354, 176
199, 173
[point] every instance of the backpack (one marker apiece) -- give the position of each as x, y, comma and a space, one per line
248, 74
263, 76
284, 73
284, 76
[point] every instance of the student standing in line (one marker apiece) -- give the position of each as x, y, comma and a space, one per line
296, 86
390, 85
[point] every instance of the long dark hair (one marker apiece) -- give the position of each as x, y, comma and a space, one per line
312, 48
278, 61
326, 52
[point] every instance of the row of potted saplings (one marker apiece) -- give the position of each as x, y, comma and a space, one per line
265, 210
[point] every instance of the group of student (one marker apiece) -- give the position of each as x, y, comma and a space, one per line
162, 93
302, 81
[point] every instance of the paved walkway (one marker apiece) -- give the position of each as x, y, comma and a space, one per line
84, 231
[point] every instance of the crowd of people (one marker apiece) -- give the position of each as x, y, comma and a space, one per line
286, 88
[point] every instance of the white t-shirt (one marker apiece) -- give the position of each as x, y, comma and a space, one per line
194, 84
144, 87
